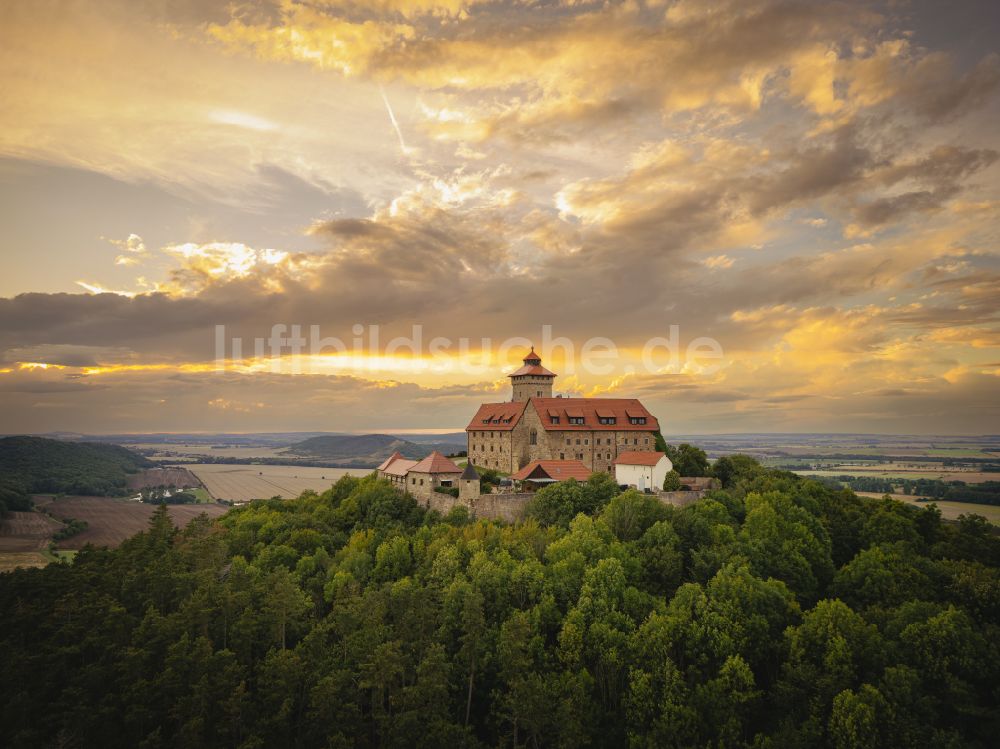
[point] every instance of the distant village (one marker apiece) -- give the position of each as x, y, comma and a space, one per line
537, 439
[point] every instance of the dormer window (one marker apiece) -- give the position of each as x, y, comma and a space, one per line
555, 419
576, 420
608, 420
637, 419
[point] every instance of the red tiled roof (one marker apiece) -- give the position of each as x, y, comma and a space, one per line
532, 366
532, 369
560, 470
435, 463
385, 464
639, 458
592, 410
399, 467
496, 414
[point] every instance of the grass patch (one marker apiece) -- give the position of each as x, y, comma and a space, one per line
201, 495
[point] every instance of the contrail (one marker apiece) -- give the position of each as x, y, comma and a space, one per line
392, 118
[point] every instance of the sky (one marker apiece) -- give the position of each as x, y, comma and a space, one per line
762, 215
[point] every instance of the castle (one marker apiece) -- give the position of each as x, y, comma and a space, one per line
534, 425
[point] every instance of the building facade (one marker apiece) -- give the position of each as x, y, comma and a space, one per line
535, 425
643, 470
420, 478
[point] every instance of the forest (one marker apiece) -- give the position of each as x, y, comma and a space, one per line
36, 465
777, 612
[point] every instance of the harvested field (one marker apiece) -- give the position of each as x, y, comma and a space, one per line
12, 560
110, 521
242, 483
151, 477
949, 510
26, 531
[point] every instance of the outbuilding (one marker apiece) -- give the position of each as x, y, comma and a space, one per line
643, 470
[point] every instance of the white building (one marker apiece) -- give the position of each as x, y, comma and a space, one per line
643, 470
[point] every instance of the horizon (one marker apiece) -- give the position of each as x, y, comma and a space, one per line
461, 430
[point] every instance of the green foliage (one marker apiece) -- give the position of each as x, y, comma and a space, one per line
35, 465
451, 491
71, 527
732, 469
688, 460
488, 476
630, 513
776, 612
672, 481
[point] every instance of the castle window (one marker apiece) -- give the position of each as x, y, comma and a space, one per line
578, 440
576, 420
607, 419
637, 419
635, 441
609, 456
567, 440
646, 441
555, 419
533, 437
586, 442
562, 456
445, 482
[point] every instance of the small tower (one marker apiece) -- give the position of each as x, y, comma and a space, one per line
468, 484
532, 380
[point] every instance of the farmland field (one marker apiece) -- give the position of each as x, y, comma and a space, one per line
949, 510
179, 477
175, 451
23, 538
26, 531
887, 471
110, 521
239, 482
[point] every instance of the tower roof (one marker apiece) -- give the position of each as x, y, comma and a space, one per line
532, 366
469, 474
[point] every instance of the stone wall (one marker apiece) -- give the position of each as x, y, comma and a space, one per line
507, 507
490, 449
680, 499
511, 508
421, 485
526, 386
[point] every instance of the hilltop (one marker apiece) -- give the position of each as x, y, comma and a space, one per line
366, 449
776, 612
32, 465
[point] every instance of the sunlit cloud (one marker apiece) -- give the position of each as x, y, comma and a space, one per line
816, 187
241, 119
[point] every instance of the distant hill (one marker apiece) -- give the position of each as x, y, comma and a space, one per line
30, 465
365, 449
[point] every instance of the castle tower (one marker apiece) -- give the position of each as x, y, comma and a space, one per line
532, 380
468, 484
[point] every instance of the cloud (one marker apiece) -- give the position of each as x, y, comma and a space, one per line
607, 168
